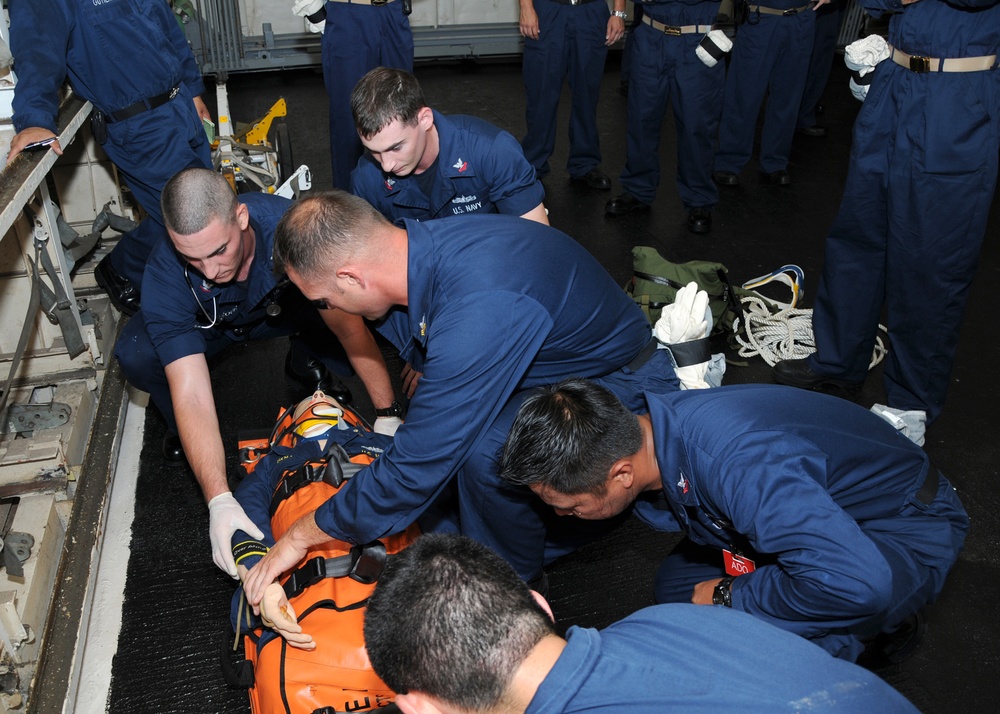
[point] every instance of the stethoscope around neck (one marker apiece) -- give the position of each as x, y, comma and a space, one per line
273, 309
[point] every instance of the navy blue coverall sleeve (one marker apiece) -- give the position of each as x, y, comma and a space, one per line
256, 490
478, 352
514, 187
774, 492
39, 35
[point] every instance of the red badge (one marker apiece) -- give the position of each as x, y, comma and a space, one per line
737, 565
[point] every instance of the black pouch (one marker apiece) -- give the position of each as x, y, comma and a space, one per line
407, 7
98, 127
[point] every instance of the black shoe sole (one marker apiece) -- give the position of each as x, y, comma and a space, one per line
638, 208
585, 183
104, 283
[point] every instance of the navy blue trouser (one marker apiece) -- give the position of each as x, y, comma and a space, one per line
148, 150
511, 519
770, 56
820, 61
909, 230
666, 69
920, 544
570, 46
358, 38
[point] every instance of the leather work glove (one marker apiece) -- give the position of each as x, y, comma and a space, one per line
314, 13
386, 425
226, 516
861, 56
683, 329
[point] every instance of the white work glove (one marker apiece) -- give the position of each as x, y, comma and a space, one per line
387, 425
683, 329
861, 56
306, 8
713, 47
226, 516
911, 423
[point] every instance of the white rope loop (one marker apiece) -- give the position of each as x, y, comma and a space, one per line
786, 334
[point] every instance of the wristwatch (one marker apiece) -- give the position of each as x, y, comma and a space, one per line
620, 13
393, 410
723, 595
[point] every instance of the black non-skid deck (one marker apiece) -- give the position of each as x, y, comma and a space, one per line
177, 602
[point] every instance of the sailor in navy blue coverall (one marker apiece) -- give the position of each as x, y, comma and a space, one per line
498, 305
441, 591
913, 216
478, 169
566, 40
849, 527
359, 35
123, 56
665, 69
184, 314
213, 288
771, 55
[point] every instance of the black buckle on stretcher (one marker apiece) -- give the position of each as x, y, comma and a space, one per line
311, 573
366, 565
920, 64
367, 562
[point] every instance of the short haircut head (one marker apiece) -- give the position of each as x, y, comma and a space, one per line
195, 197
451, 619
384, 95
324, 231
567, 437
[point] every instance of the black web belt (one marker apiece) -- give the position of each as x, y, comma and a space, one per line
141, 106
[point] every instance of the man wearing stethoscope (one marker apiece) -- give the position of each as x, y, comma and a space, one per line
211, 286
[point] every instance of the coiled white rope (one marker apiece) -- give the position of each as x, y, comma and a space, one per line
786, 334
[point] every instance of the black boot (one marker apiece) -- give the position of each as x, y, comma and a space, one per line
173, 452
313, 374
891, 648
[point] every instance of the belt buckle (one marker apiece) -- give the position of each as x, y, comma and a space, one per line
376, 3
173, 92
668, 30
920, 64
791, 11
574, 2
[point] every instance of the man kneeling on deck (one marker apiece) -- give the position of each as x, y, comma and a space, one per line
452, 629
800, 508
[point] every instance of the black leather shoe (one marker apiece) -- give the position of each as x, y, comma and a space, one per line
626, 203
726, 178
594, 179
891, 648
778, 178
798, 373
700, 220
173, 452
313, 375
123, 293
814, 131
